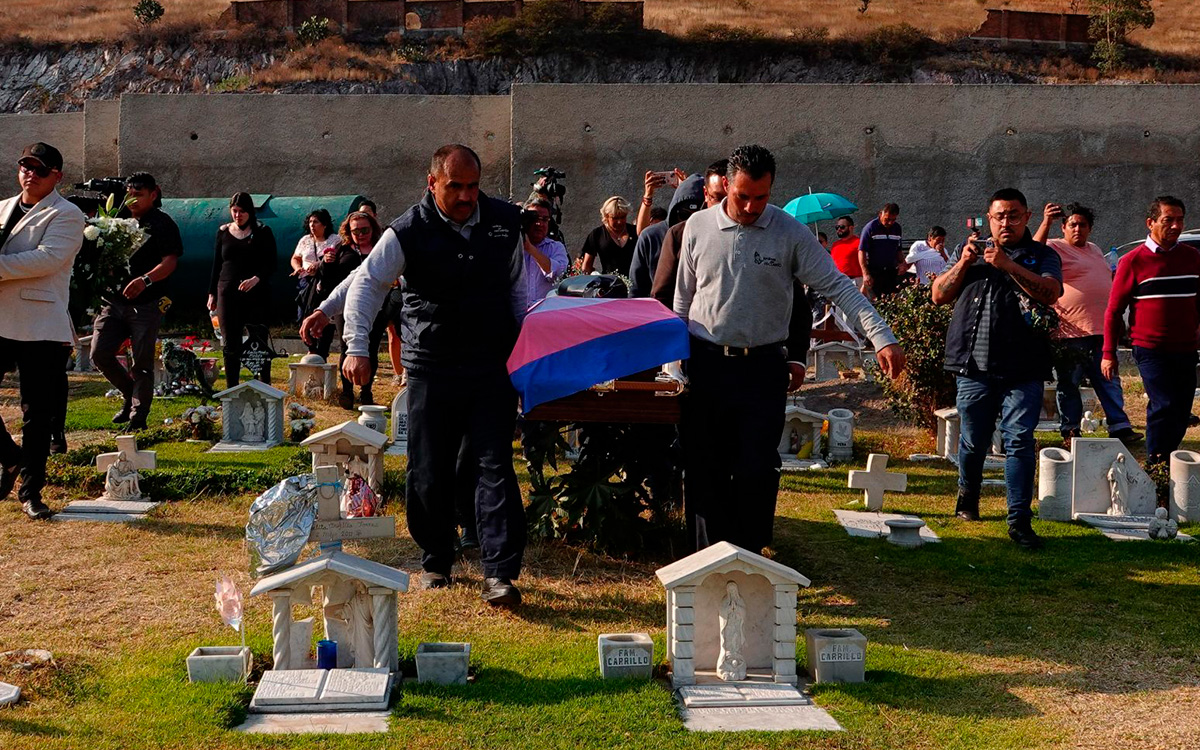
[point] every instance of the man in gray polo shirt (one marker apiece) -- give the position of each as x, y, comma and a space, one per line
737, 266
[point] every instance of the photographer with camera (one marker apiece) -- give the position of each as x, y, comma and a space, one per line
545, 257
549, 189
998, 356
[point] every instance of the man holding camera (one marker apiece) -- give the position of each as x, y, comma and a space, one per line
135, 312
998, 356
545, 258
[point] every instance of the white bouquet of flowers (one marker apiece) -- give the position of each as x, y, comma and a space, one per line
101, 273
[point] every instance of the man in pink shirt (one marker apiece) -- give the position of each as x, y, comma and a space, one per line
1087, 281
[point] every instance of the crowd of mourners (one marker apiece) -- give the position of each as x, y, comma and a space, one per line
449, 281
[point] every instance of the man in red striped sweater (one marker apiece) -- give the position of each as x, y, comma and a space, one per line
1159, 281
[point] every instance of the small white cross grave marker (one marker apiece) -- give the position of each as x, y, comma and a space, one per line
876, 480
141, 460
329, 529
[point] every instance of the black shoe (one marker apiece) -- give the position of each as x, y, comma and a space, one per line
966, 508
431, 580
1025, 537
500, 592
136, 424
346, 400
58, 444
36, 509
1069, 435
8, 479
1126, 436
122, 416
365, 398
1193, 420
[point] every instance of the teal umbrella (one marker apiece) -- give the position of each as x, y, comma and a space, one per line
816, 207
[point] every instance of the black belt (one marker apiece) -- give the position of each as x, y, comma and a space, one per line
699, 344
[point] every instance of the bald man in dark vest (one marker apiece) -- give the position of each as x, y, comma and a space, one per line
461, 255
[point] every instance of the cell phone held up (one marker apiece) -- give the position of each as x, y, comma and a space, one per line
670, 179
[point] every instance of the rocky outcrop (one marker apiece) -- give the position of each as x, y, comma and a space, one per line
61, 80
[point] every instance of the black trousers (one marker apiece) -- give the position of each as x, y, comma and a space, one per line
1170, 382
730, 427
442, 412
40, 366
236, 310
139, 324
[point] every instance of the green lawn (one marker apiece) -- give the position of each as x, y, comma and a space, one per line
974, 643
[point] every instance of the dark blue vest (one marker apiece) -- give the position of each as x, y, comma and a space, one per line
458, 316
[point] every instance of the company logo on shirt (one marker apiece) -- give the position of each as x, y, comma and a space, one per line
766, 260
499, 231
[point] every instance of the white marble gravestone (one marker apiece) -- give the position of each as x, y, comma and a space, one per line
801, 427
876, 480
1077, 483
947, 432
83, 354
252, 417
313, 377
399, 445
696, 587
358, 596
873, 525
321, 690
348, 442
832, 357
122, 500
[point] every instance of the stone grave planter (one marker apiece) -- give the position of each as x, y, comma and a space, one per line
1055, 470
626, 655
220, 664
905, 532
1185, 486
836, 654
374, 417
443, 663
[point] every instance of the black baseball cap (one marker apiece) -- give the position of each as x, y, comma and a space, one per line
47, 155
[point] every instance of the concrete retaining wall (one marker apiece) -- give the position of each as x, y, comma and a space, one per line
939, 151
205, 146
63, 131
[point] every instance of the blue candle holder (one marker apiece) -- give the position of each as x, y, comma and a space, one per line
326, 654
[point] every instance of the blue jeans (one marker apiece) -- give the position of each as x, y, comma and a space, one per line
1070, 404
1170, 381
1017, 404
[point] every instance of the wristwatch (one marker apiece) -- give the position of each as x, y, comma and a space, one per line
147, 280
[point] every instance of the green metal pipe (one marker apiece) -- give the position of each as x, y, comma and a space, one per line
198, 220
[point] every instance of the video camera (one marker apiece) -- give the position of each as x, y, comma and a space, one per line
93, 193
548, 187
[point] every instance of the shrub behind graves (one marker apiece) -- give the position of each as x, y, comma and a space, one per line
605, 498
147, 12
314, 30
921, 328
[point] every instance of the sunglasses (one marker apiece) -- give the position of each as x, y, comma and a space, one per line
37, 168
360, 230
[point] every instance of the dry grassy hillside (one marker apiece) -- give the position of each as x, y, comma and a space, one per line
1177, 30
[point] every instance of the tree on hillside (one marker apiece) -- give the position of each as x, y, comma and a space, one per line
1111, 23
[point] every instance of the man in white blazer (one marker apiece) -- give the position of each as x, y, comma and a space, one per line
40, 234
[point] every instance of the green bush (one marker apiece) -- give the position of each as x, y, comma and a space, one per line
605, 498
895, 47
147, 12
314, 30
921, 327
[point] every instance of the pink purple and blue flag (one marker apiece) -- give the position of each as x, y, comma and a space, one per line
569, 344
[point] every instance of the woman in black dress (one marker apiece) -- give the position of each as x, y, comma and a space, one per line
238, 290
613, 241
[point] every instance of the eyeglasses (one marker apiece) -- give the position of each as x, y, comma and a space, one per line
36, 168
540, 220
1012, 217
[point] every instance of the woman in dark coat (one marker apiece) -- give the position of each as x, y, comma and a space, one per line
238, 290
